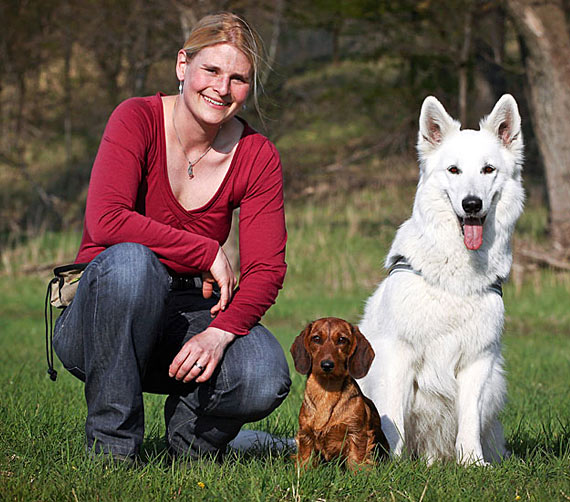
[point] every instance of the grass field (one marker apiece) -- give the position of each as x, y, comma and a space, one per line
335, 252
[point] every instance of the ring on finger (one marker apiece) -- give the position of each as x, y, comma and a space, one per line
198, 365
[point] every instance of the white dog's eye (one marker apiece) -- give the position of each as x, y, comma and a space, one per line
453, 169
488, 169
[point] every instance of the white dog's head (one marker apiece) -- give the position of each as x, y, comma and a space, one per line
471, 168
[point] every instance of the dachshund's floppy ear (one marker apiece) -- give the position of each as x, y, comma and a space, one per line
362, 357
301, 356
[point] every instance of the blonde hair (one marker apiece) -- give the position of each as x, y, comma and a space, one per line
226, 27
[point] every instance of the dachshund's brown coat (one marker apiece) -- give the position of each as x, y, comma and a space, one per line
336, 419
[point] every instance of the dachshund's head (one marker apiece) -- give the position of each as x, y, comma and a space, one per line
332, 347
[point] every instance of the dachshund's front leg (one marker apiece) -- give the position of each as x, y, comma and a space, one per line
306, 454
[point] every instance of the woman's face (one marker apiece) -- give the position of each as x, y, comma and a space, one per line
216, 82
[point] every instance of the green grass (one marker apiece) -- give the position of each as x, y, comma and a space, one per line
336, 248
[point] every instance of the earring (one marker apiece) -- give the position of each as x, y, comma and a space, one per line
244, 107
180, 86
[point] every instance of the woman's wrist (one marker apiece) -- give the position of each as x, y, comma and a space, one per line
225, 336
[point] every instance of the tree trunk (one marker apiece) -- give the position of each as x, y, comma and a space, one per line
464, 59
336, 31
544, 31
489, 74
18, 140
276, 33
67, 91
141, 65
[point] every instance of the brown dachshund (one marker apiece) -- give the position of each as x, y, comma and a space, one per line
336, 419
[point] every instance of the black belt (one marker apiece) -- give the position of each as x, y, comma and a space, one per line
182, 282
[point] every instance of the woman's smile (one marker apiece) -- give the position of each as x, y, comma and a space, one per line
214, 102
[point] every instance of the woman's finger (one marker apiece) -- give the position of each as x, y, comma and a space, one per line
207, 287
178, 361
183, 363
195, 370
208, 371
216, 309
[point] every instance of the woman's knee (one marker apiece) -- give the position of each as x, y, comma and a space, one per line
262, 378
266, 394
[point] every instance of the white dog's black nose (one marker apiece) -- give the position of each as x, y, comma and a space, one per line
327, 365
472, 204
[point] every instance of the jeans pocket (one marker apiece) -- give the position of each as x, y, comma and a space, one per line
77, 372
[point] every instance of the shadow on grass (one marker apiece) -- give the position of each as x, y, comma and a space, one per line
249, 445
541, 440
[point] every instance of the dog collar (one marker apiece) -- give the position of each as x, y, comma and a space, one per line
402, 265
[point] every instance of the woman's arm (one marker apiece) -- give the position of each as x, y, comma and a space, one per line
111, 216
262, 238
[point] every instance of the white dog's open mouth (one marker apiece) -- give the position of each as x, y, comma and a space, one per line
472, 229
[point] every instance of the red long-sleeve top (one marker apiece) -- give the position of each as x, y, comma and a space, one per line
130, 200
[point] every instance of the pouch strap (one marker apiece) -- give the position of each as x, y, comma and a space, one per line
49, 330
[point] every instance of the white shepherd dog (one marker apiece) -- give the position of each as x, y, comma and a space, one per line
435, 322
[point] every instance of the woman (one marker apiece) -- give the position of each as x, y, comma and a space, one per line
156, 309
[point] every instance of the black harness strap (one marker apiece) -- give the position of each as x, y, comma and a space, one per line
402, 265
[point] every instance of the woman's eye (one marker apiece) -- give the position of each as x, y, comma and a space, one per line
453, 169
488, 169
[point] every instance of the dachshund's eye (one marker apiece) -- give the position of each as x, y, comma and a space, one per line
453, 169
488, 169
342, 340
316, 339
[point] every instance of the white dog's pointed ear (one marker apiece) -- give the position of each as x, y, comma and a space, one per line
505, 122
435, 125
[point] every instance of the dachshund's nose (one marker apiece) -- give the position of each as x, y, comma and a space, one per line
327, 365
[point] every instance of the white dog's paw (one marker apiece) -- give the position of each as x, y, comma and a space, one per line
473, 461
470, 456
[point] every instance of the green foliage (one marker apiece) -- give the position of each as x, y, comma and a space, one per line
354, 87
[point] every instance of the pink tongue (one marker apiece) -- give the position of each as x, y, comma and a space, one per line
473, 233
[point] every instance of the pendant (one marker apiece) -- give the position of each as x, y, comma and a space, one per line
190, 170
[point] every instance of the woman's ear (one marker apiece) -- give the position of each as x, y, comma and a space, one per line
181, 63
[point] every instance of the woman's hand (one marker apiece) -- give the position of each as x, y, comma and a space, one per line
221, 273
200, 355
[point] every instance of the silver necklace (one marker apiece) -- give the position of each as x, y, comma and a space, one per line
191, 163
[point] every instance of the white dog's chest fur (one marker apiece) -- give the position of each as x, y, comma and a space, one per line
431, 319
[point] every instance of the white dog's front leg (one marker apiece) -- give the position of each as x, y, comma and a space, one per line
390, 385
471, 382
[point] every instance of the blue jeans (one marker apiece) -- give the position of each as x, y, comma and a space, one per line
120, 334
